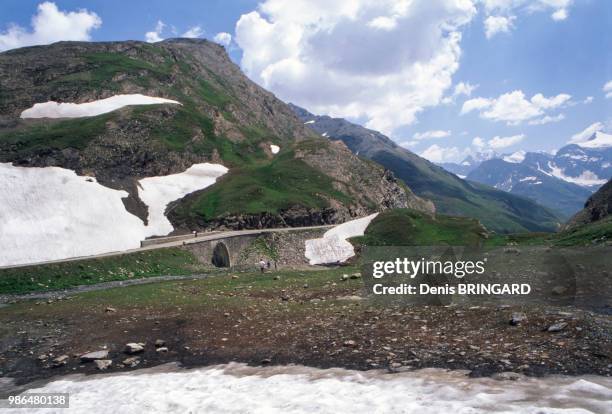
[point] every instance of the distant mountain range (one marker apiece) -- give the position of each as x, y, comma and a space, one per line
561, 181
496, 209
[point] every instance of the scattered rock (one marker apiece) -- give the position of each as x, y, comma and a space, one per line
93, 356
159, 342
507, 376
276, 277
517, 318
350, 343
103, 364
305, 285
131, 361
234, 277
559, 290
60, 360
355, 276
556, 327
266, 361
134, 348
162, 349
344, 277
42, 357
110, 310
351, 298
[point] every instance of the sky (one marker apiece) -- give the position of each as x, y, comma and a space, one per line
443, 78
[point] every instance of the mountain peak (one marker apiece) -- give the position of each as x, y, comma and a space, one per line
597, 140
516, 157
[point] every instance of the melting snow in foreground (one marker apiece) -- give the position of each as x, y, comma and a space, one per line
236, 388
158, 192
54, 109
51, 213
333, 246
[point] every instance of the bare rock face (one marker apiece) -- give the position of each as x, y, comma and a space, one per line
597, 207
366, 181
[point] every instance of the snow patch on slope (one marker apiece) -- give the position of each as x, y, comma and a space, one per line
158, 192
274, 149
52, 213
586, 178
333, 247
235, 388
54, 109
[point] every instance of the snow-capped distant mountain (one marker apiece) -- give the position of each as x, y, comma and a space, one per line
526, 180
470, 163
588, 163
562, 181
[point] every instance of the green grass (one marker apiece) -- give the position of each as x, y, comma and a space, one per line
264, 187
592, 233
161, 262
73, 133
405, 227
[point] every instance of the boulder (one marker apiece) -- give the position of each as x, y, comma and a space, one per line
103, 364
134, 348
93, 356
517, 318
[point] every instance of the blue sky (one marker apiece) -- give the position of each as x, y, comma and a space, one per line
535, 70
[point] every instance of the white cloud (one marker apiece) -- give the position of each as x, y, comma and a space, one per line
223, 38
504, 142
478, 142
498, 24
560, 14
193, 32
49, 25
501, 13
438, 154
464, 88
431, 134
407, 144
587, 100
513, 107
559, 8
586, 133
350, 51
547, 119
607, 88
155, 35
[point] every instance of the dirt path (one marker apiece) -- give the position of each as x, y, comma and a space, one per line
55, 294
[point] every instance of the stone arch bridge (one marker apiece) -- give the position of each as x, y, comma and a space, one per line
244, 248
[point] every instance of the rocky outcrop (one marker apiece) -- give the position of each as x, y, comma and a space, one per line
364, 180
597, 207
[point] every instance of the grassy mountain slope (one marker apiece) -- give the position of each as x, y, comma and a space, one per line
406, 227
497, 210
223, 118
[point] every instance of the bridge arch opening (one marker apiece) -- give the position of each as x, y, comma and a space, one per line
221, 257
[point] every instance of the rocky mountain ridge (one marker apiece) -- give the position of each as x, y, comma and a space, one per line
223, 117
496, 209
